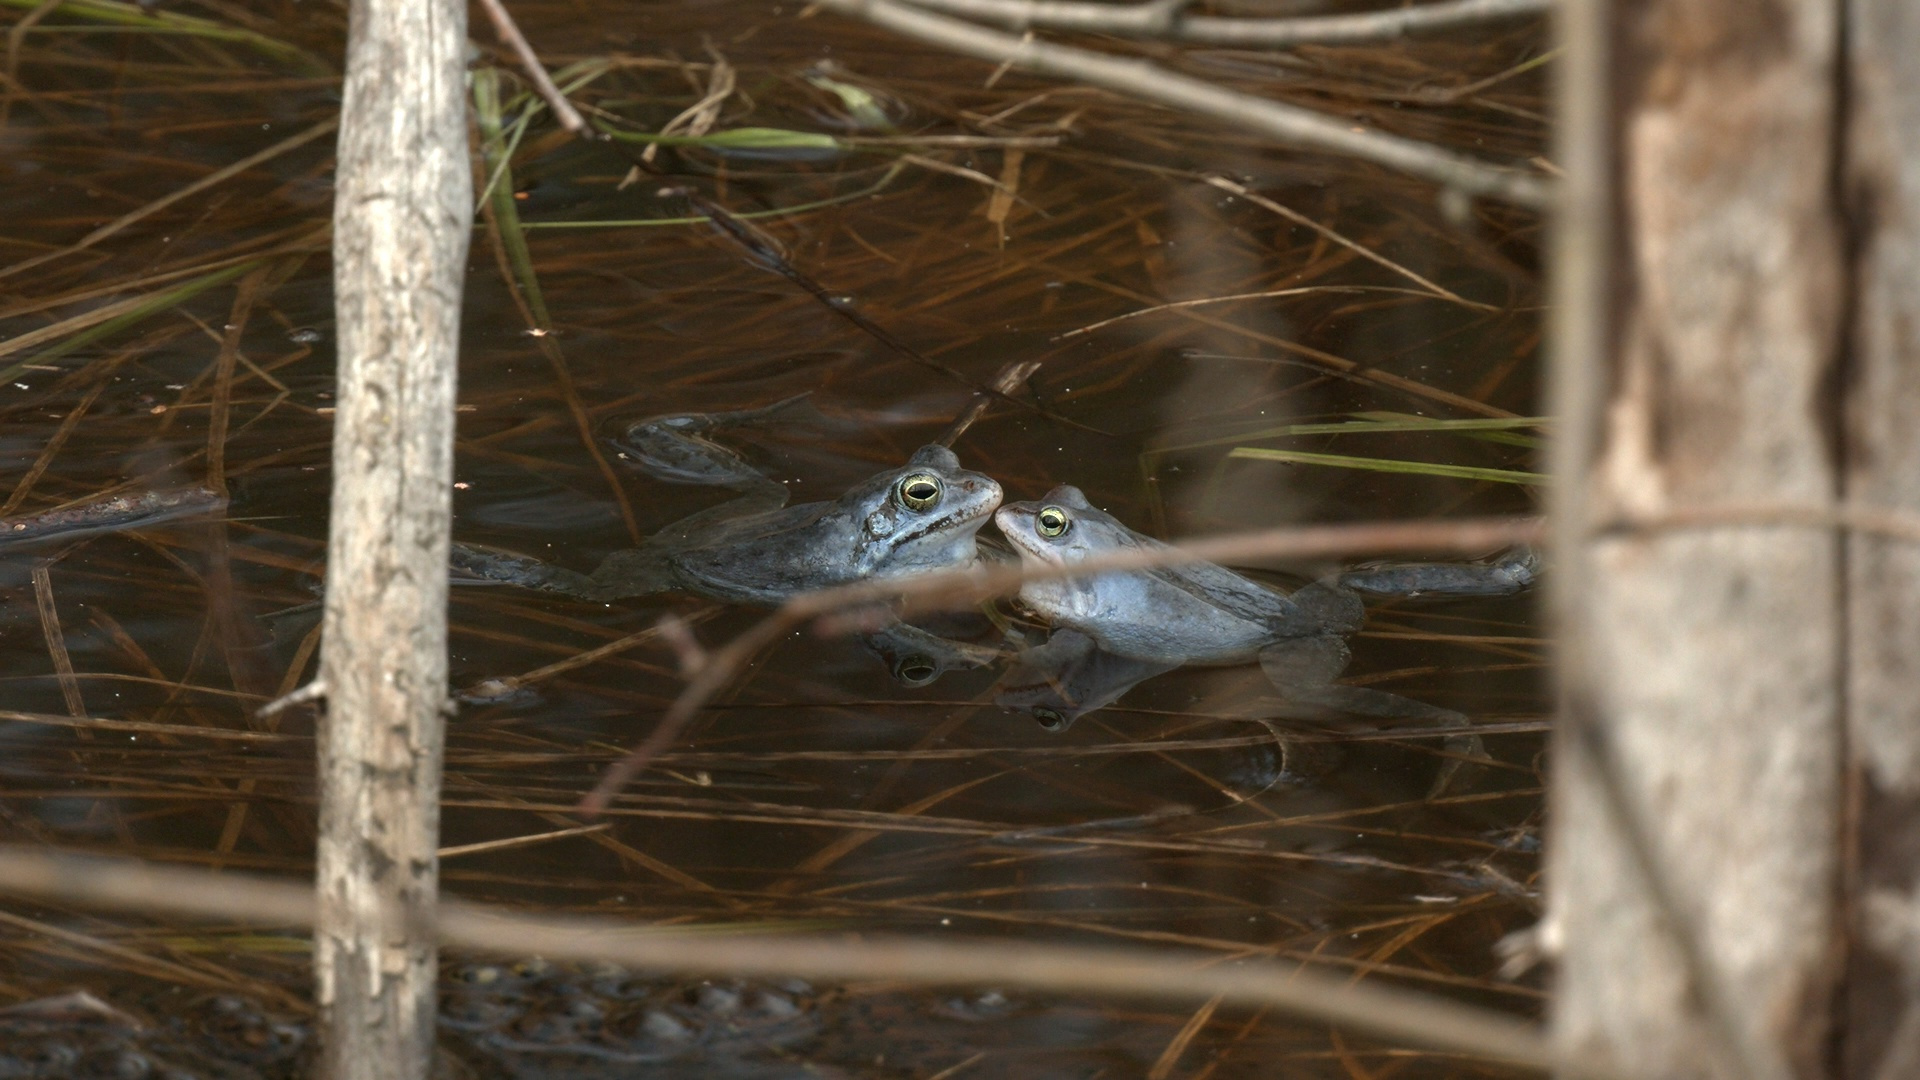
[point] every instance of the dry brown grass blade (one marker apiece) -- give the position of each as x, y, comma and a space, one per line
54, 442
246, 295
510, 842
1170, 1057
1001, 204
1205, 301
549, 348
57, 642
156, 967
15, 36
1333, 236
210, 180
1173, 975
1010, 379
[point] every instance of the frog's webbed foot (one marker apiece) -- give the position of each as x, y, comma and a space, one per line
483, 564
1514, 571
1304, 669
675, 447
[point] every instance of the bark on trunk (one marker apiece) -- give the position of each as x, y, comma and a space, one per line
1709, 659
402, 214
1881, 1010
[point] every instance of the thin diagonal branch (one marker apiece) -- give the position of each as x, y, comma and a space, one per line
1162, 974
563, 110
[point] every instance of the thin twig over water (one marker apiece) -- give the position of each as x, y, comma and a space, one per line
963, 588
1124, 973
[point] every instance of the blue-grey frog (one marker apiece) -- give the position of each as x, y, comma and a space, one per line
1140, 623
914, 519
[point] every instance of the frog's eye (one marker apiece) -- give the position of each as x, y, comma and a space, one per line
1050, 718
1052, 522
918, 490
916, 670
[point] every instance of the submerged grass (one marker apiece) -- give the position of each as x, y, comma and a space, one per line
139, 18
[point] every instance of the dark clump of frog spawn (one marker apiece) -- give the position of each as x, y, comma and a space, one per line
534, 1019
212, 1037
538, 1021
1114, 630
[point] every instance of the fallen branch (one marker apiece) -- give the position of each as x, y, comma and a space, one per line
1289, 124
1158, 974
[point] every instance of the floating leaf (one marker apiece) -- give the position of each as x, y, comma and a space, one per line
861, 105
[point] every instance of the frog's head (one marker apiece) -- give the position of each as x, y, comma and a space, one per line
1061, 529
922, 517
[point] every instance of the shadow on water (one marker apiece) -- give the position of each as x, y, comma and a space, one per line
837, 786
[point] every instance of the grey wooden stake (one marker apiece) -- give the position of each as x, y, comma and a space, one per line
1697, 797
402, 216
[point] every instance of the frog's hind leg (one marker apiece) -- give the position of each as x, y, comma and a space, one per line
1516, 571
1304, 670
483, 565
639, 571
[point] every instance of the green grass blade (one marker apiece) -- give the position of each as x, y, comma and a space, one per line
1422, 468
134, 17
785, 211
1491, 430
747, 138
506, 214
179, 294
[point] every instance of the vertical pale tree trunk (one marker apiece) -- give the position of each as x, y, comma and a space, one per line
1706, 663
402, 215
1881, 1010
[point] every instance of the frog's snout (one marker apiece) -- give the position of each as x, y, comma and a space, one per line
988, 489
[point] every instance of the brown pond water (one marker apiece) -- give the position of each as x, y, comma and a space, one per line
1342, 859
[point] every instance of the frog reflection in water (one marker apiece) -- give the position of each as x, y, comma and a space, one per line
1117, 629
910, 520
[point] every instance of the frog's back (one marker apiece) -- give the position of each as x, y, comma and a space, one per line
770, 557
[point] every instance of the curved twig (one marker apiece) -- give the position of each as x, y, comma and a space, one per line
1139, 79
1074, 970
1163, 20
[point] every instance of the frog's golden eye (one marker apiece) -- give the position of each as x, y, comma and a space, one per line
1049, 718
918, 491
1052, 522
916, 670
